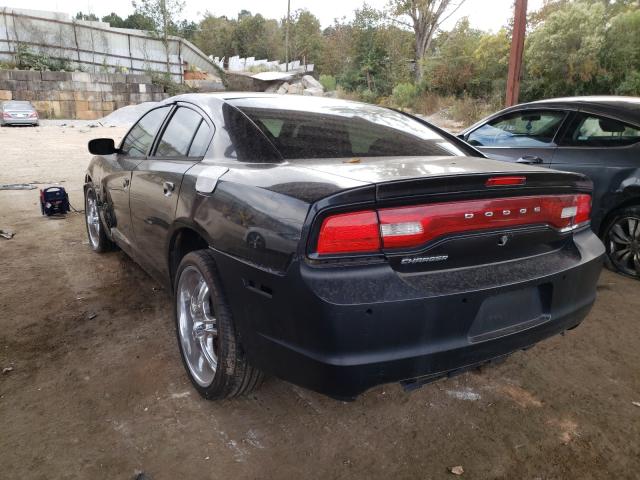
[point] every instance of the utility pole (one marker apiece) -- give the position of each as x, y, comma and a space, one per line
286, 36
517, 49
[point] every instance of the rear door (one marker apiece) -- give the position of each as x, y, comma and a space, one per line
134, 149
156, 181
524, 136
604, 149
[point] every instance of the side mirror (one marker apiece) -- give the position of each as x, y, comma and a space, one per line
102, 146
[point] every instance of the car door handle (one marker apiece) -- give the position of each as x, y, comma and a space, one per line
125, 183
529, 159
168, 188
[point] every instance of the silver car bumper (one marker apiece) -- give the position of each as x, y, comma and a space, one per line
19, 121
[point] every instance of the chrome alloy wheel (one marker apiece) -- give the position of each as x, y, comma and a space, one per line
93, 219
624, 245
197, 326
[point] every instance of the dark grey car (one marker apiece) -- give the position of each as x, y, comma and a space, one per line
339, 245
596, 136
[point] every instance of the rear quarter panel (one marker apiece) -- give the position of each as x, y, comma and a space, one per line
256, 212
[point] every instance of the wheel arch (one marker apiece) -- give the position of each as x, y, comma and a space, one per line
633, 201
185, 237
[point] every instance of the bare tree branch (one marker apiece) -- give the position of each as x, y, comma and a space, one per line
426, 16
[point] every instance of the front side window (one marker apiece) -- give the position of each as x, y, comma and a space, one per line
520, 129
594, 131
178, 136
340, 130
140, 138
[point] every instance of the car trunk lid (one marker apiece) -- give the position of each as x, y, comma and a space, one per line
461, 212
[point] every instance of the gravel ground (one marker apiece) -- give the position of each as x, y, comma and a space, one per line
94, 388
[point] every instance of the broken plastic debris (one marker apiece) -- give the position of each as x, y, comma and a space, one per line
457, 470
7, 234
6, 370
637, 404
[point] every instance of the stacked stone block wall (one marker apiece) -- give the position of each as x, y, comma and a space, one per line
77, 95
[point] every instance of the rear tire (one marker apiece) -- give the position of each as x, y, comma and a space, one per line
622, 241
98, 240
207, 338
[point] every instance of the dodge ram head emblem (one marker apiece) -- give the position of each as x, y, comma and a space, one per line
504, 239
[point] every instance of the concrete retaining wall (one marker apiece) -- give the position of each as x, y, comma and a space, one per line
80, 95
95, 46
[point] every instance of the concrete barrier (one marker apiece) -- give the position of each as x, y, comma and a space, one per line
81, 95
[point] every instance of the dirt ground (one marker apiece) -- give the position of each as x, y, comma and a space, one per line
98, 391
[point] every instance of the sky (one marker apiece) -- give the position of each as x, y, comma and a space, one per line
483, 14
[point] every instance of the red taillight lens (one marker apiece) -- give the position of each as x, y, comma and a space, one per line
583, 214
349, 233
563, 212
33, 115
407, 227
6, 115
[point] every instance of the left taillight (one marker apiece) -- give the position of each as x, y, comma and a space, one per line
356, 232
370, 231
6, 115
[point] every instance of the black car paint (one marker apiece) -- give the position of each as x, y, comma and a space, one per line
615, 171
345, 325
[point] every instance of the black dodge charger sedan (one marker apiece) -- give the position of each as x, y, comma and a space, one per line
339, 245
596, 136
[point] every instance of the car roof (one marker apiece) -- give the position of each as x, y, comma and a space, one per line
626, 109
301, 100
17, 102
622, 108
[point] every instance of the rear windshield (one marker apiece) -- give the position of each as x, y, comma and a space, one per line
17, 105
318, 128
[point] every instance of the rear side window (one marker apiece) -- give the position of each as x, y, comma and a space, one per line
594, 131
248, 144
520, 129
200, 142
140, 138
179, 134
341, 130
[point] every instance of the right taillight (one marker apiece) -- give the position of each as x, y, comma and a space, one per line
371, 231
583, 214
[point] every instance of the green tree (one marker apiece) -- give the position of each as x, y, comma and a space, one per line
90, 17
186, 29
305, 38
562, 54
248, 35
370, 67
450, 69
620, 55
337, 48
114, 20
491, 64
163, 14
215, 36
137, 21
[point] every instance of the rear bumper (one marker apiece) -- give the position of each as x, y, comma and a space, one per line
340, 331
19, 121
